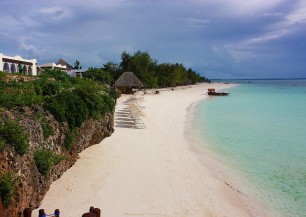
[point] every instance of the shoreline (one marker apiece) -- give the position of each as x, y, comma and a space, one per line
151, 171
218, 167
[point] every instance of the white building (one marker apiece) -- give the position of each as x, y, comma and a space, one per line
17, 64
76, 73
52, 66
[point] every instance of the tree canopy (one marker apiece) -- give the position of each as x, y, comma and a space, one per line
151, 73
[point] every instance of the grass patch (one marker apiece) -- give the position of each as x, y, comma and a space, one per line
46, 128
7, 188
45, 160
16, 136
70, 137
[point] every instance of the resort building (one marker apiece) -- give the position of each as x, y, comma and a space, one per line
51, 66
76, 73
17, 64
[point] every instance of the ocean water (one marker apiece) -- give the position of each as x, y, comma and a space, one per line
259, 130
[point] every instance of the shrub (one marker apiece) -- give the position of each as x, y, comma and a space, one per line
69, 139
91, 94
57, 74
2, 143
45, 160
15, 135
47, 87
2, 75
15, 94
98, 75
58, 158
46, 128
7, 188
67, 106
115, 93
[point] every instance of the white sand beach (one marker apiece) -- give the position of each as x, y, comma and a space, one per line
147, 172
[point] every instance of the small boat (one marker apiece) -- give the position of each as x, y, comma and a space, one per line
212, 92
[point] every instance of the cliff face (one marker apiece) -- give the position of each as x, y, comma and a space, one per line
30, 185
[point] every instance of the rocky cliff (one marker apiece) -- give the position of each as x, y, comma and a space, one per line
30, 185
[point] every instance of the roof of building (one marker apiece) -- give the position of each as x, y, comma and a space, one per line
128, 79
53, 65
63, 62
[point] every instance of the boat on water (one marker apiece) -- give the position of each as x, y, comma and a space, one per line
212, 92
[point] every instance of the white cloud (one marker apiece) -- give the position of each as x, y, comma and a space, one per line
266, 37
240, 7
272, 14
23, 45
298, 15
55, 13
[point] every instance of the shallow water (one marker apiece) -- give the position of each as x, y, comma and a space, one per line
260, 131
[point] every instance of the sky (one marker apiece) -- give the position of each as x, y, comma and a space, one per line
217, 38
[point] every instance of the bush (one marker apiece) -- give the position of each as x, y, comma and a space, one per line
7, 188
2, 143
45, 160
92, 95
56, 74
2, 75
15, 94
67, 106
15, 135
98, 75
58, 158
47, 87
69, 139
46, 128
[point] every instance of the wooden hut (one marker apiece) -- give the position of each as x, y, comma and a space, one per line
127, 81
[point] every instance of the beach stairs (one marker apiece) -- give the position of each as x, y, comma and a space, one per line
139, 122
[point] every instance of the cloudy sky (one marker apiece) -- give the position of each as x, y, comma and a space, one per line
217, 38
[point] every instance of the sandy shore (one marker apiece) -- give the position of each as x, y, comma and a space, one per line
147, 172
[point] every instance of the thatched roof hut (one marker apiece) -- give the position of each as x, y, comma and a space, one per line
127, 81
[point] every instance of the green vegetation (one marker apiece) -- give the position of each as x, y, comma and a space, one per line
13, 134
150, 72
2, 143
74, 100
86, 100
68, 99
7, 188
98, 75
69, 138
46, 128
45, 160
67, 106
15, 94
77, 65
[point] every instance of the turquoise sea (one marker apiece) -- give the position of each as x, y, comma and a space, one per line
259, 130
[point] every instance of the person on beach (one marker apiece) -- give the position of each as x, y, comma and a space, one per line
90, 213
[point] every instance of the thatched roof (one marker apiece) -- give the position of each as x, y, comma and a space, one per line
128, 79
64, 63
